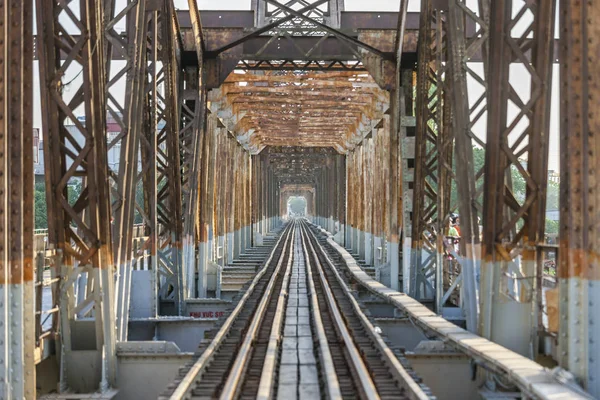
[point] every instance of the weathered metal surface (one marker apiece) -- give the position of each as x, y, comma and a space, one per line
18, 331
433, 158
127, 114
579, 268
201, 187
307, 109
531, 378
79, 230
355, 20
467, 110
513, 227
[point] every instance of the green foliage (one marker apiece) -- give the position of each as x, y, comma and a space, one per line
40, 210
74, 191
519, 188
40, 205
139, 198
552, 226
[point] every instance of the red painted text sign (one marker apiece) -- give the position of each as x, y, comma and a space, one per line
207, 314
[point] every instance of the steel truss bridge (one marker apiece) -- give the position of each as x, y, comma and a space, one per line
178, 274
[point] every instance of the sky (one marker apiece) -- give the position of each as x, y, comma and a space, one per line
519, 79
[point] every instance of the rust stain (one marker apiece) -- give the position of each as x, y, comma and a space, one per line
578, 263
310, 109
19, 272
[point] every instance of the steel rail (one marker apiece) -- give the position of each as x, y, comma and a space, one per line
327, 365
366, 383
532, 379
413, 389
186, 385
234, 380
267, 377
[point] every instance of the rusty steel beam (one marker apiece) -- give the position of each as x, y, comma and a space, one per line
127, 114
192, 113
18, 337
579, 261
165, 111
79, 230
514, 227
265, 28
433, 159
207, 227
466, 112
249, 108
191, 137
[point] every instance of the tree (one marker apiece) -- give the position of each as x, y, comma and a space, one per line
40, 209
40, 204
519, 187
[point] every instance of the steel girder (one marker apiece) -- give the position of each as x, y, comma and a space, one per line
79, 229
193, 112
579, 268
514, 227
191, 141
150, 115
468, 110
165, 113
18, 325
433, 159
151, 136
128, 114
519, 225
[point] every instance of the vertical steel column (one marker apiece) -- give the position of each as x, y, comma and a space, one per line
17, 333
254, 199
331, 194
148, 172
220, 199
467, 111
264, 192
433, 160
378, 197
127, 114
169, 211
360, 232
350, 196
206, 203
579, 268
79, 230
230, 193
341, 189
407, 135
191, 138
510, 262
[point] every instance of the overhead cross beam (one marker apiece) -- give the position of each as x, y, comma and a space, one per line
264, 29
336, 32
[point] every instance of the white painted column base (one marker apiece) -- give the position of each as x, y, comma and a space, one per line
378, 251
230, 245
406, 254
221, 251
258, 239
202, 268
393, 256
368, 248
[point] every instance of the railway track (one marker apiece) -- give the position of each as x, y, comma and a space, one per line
297, 332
